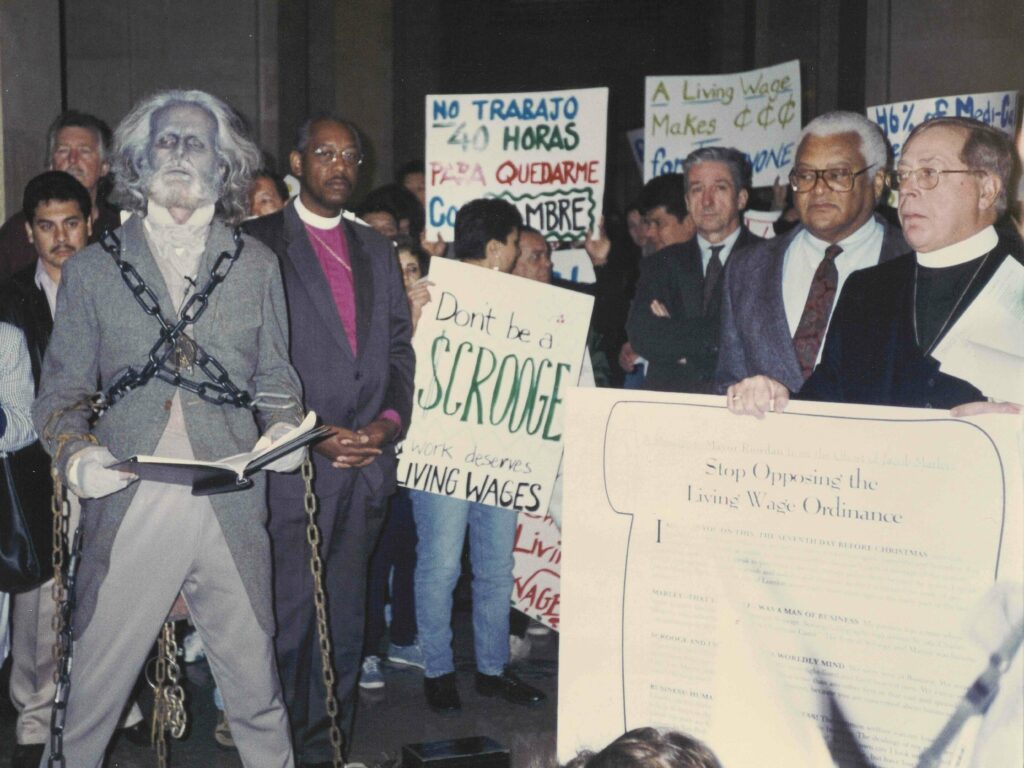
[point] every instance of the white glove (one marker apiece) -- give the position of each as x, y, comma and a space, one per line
290, 461
89, 478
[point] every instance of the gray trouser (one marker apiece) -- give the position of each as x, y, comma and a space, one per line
171, 541
32, 661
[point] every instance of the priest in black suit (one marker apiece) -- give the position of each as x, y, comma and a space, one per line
673, 321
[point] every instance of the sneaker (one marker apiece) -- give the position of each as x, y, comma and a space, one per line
371, 677
222, 732
406, 655
518, 647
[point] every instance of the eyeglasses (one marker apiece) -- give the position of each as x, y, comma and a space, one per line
329, 156
924, 178
836, 179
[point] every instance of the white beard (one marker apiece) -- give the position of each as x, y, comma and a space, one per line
189, 194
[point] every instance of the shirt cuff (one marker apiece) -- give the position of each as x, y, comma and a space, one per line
392, 415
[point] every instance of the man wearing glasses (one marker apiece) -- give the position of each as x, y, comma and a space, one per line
778, 295
350, 343
952, 179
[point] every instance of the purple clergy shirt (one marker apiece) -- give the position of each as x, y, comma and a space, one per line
332, 253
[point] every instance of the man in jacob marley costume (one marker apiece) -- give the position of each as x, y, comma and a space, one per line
205, 389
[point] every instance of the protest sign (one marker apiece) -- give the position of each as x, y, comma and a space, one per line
761, 223
757, 112
543, 152
897, 120
538, 557
495, 354
574, 265
796, 590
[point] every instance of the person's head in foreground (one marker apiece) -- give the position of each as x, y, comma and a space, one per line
649, 748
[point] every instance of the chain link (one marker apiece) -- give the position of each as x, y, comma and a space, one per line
64, 593
219, 389
168, 695
320, 601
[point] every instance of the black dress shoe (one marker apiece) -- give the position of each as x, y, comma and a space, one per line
442, 693
509, 687
27, 755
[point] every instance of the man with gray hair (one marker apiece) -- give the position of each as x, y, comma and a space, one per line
778, 296
673, 321
78, 144
181, 320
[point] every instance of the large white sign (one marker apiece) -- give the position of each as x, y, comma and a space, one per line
897, 120
495, 354
793, 591
757, 112
544, 152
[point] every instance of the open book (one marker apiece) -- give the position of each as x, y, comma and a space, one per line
231, 473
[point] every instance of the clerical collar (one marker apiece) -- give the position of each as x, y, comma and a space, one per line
314, 220
974, 246
158, 216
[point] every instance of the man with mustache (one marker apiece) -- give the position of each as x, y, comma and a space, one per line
77, 143
56, 209
350, 343
183, 162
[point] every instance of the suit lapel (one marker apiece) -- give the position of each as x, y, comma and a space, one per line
135, 249
307, 267
219, 241
362, 283
777, 325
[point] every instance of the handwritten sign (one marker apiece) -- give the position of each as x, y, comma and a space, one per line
543, 152
757, 112
495, 354
761, 223
897, 120
573, 264
538, 563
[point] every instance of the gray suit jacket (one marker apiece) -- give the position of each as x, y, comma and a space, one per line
99, 330
754, 337
346, 389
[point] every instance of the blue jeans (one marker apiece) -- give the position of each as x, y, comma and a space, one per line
441, 527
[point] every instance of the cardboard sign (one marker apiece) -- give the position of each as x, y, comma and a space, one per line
805, 589
538, 556
897, 120
573, 264
495, 354
543, 152
757, 112
761, 223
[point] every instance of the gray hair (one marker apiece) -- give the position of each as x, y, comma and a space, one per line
873, 145
302, 134
985, 149
237, 155
75, 119
737, 163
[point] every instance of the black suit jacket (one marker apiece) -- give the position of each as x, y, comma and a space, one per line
345, 389
23, 303
871, 354
682, 349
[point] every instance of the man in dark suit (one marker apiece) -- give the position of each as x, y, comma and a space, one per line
350, 343
778, 296
673, 321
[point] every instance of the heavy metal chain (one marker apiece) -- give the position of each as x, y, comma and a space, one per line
168, 695
219, 389
320, 601
64, 594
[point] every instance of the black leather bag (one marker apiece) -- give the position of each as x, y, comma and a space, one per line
26, 523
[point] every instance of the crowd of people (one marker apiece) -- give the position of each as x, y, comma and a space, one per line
167, 269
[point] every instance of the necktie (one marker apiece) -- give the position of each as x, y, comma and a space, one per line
811, 329
714, 271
